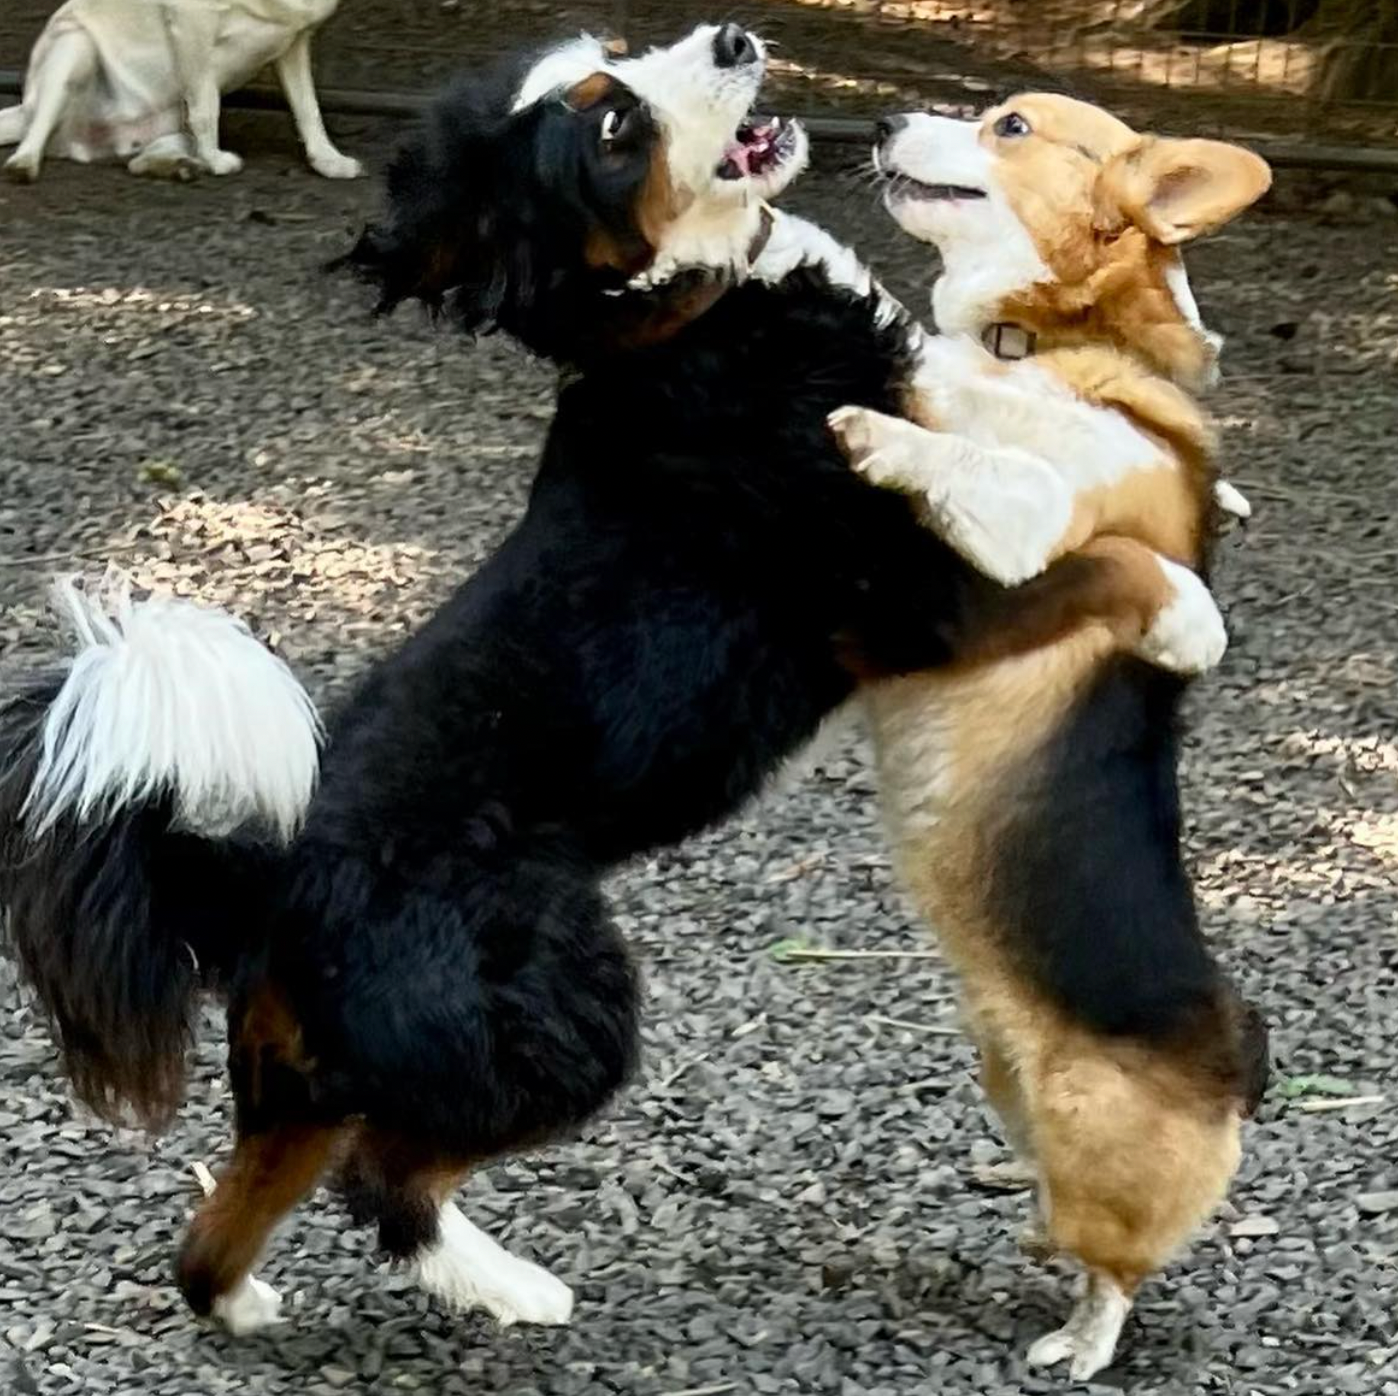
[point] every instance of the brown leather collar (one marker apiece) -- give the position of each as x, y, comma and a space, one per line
766, 222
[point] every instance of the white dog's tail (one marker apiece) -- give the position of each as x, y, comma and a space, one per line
146, 797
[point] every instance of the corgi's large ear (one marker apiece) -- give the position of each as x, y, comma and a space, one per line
1174, 190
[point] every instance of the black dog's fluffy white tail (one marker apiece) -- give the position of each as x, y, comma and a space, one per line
145, 795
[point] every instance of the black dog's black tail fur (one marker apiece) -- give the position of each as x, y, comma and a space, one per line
128, 878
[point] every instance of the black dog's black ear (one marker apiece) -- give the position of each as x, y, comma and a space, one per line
435, 243
442, 240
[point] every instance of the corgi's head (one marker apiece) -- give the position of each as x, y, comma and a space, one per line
1052, 214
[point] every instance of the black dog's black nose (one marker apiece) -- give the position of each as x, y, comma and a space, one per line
734, 46
886, 127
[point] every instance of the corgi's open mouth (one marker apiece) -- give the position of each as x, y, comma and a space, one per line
901, 186
759, 146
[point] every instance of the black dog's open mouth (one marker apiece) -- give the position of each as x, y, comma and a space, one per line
759, 145
901, 186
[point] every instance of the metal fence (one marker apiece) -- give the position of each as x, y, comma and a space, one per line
1301, 70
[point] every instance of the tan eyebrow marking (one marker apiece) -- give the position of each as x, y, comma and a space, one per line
586, 94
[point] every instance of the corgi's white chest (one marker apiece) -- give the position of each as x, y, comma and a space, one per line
1020, 404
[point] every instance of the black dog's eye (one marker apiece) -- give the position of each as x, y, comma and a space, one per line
615, 124
1012, 124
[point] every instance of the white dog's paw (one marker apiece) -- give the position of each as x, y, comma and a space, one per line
330, 164
165, 160
249, 1307
1188, 635
223, 162
470, 1271
23, 166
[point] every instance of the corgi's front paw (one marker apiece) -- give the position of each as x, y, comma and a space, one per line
860, 431
1188, 635
886, 451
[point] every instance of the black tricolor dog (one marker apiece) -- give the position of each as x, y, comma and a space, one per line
420, 967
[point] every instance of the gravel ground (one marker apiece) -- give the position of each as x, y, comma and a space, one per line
785, 1202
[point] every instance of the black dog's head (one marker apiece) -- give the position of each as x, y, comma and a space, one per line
527, 196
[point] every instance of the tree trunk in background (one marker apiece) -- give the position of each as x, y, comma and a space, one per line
1228, 19
1357, 40
1359, 44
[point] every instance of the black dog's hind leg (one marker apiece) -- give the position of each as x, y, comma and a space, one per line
406, 1187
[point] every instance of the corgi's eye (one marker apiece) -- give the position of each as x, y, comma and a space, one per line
613, 125
1012, 124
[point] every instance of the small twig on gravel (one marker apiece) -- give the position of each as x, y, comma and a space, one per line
203, 1177
793, 955
936, 1029
742, 1030
751, 1026
717, 1389
108, 1331
667, 1081
75, 555
1349, 1102
670, 1170
798, 869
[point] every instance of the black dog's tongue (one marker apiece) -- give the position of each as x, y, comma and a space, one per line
752, 142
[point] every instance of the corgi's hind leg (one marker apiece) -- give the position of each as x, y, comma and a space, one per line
1000, 1081
1152, 607
69, 66
1131, 1165
1087, 1342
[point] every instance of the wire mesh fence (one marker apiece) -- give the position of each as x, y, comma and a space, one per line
1304, 69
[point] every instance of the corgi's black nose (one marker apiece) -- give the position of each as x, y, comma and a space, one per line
734, 47
886, 127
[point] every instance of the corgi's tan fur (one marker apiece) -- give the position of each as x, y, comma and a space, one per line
1057, 220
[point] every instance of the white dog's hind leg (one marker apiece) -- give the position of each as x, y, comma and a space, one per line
294, 70
70, 65
166, 157
204, 103
12, 121
470, 1271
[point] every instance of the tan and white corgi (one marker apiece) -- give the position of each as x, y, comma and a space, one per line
1033, 800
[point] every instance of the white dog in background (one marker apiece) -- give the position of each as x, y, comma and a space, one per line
143, 81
